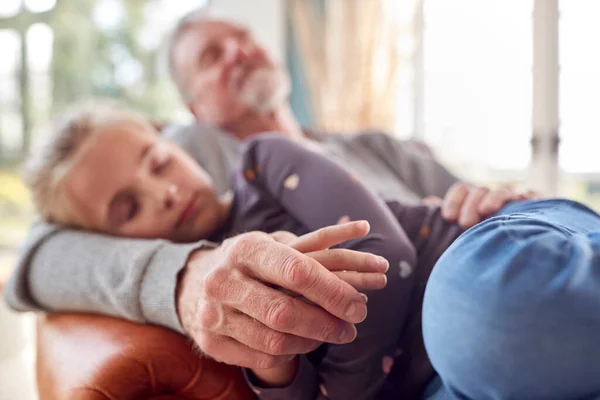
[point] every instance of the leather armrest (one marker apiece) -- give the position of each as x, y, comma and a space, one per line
89, 357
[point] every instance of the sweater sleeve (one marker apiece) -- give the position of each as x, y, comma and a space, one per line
316, 192
413, 163
71, 270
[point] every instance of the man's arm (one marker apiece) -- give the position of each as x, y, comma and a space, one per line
72, 270
413, 163
161, 282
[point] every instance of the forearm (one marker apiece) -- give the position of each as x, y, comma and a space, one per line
429, 232
67, 270
313, 189
353, 370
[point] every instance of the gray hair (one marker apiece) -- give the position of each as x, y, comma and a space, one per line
193, 19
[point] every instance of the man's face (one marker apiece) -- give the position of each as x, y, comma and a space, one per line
227, 74
127, 181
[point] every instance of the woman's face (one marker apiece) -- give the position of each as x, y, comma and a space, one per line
128, 181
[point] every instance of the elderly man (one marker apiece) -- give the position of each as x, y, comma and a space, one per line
228, 81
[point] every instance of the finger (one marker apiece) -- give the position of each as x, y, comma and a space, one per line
324, 238
259, 337
284, 237
350, 260
286, 314
281, 265
344, 220
361, 281
432, 201
521, 196
469, 213
453, 201
530, 195
495, 201
535, 195
229, 351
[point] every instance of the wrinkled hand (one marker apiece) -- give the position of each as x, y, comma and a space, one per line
469, 205
233, 316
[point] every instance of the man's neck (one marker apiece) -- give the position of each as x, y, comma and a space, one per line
282, 120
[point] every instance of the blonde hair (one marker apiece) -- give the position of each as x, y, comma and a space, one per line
46, 169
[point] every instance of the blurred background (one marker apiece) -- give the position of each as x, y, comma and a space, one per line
503, 91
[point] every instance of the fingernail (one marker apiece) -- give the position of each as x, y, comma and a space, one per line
347, 335
384, 264
356, 312
364, 296
383, 280
363, 225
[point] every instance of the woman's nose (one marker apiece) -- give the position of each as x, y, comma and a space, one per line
170, 197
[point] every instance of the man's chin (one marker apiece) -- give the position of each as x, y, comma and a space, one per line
266, 93
265, 105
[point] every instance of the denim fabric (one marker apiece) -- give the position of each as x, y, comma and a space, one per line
512, 308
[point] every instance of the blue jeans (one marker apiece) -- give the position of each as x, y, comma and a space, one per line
512, 308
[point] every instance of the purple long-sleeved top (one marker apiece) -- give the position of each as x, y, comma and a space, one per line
281, 185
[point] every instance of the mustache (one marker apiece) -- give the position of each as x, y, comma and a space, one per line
265, 89
242, 73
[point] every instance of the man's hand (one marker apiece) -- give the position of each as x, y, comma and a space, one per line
469, 205
234, 317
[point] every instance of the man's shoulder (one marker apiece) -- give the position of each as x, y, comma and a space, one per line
197, 134
377, 140
182, 133
365, 139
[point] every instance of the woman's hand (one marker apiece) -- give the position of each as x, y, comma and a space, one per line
469, 205
279, 376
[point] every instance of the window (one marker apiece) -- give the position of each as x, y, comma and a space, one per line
39, 6
579, 86
477, 79
9, 8
11, 124
55, 53
579, 100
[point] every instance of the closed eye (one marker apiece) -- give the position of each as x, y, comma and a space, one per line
123, 209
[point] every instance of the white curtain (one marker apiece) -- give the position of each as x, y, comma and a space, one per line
352, 53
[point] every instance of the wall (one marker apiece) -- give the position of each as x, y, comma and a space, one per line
266, 19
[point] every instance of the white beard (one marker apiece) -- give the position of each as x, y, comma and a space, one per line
266, 89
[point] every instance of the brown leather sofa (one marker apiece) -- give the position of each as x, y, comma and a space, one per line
87, 357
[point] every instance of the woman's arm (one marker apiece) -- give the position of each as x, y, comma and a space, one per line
317, 192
